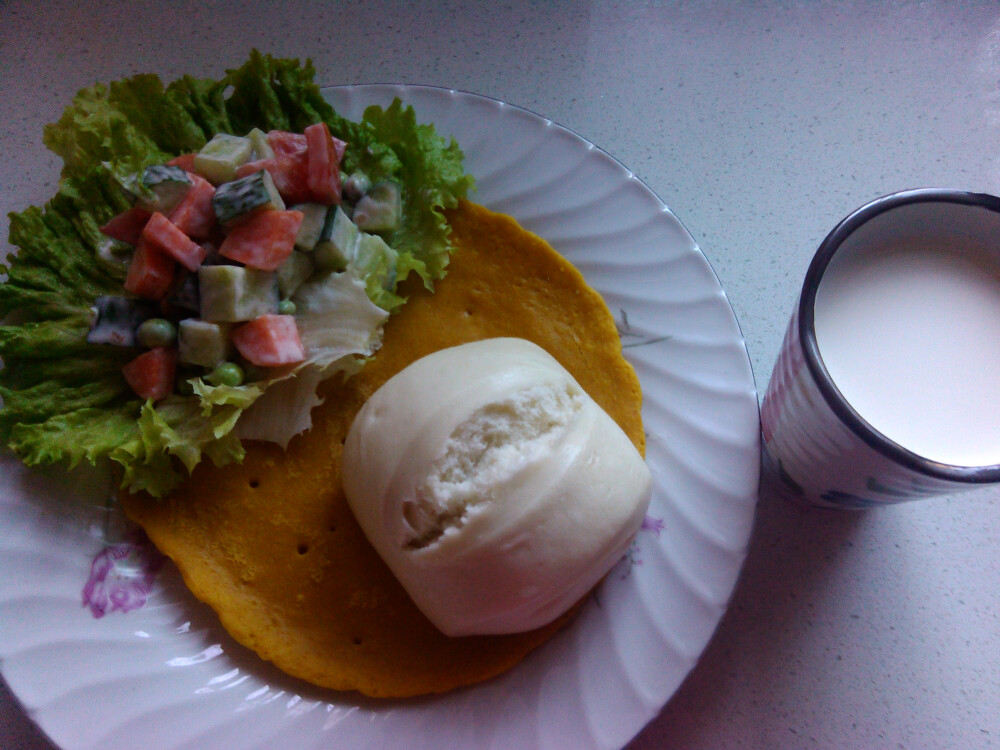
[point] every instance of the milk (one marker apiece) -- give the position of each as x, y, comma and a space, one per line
910, 334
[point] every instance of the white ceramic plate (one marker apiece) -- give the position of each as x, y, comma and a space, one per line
167, 676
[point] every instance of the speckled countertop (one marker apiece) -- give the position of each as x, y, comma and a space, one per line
760, 126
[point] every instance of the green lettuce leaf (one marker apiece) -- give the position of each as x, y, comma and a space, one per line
430, 172
241, 397
65, 400
81, 435
176, 427
340, 297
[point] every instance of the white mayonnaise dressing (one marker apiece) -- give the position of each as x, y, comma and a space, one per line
911, 337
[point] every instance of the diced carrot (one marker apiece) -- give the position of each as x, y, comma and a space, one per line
194, 215
269, 341
290, 173
263, 241
150, 273
152, 373
253, 166
284, 143
184, 161
164, 236
127, 226
323, 174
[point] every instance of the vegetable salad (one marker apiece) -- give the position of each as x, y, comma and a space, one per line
214, 251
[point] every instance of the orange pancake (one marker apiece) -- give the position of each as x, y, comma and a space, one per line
271, 544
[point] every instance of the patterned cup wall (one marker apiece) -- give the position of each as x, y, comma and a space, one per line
815, 447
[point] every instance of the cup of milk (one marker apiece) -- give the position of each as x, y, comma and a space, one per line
887, 387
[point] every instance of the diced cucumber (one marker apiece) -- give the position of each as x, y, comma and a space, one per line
116, 320
163, 187
219, 159
374, 260
261, 148
230, 294
130, 185
313, 221
338, 242
239, 198
200, 342
293, 272
356, 185
380, 209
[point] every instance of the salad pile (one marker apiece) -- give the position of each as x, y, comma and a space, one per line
214, 251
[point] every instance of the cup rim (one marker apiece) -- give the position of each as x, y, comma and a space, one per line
807, 332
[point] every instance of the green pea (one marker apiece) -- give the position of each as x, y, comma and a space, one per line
157, 332
286, 307
228, 373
